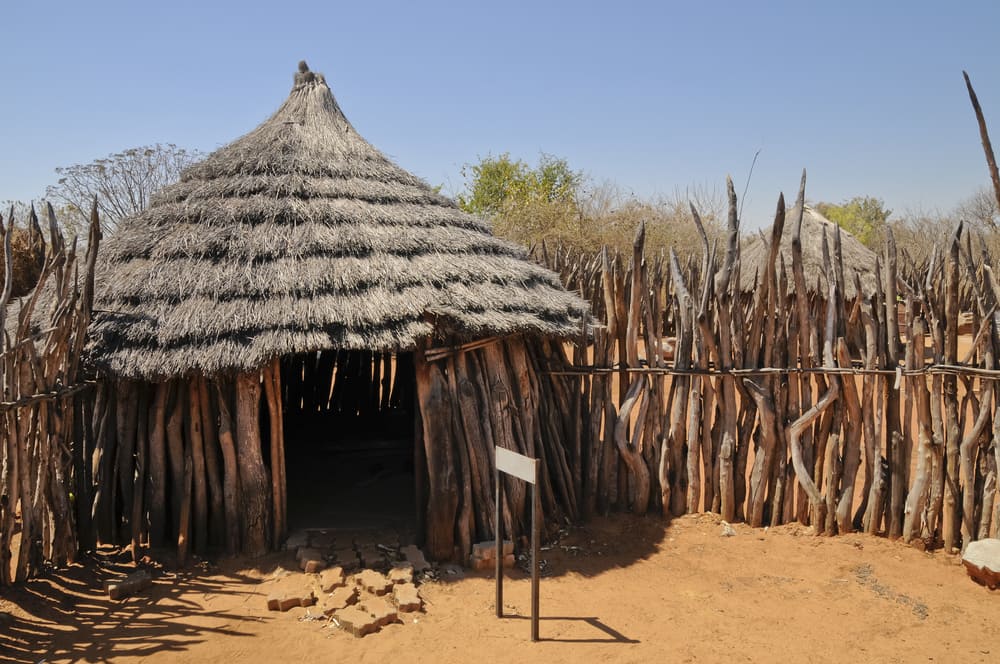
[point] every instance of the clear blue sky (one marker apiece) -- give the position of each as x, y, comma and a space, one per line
654, 96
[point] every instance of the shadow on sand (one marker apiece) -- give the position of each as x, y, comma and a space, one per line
67, 615
611, 635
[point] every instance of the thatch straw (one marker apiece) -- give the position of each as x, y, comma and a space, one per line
27, 255
301, 236
857, 257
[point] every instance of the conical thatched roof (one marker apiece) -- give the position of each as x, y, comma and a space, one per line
301, 236
857, 257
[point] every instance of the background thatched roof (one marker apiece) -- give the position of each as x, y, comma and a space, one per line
857, 257
302, 236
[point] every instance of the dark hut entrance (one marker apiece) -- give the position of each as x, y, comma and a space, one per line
349, 439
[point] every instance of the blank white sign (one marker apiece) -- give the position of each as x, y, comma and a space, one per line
516, 464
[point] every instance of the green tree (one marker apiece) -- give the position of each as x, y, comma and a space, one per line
494, 185
527, 204
864, 217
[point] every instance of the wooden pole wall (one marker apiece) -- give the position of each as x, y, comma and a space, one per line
795, 402
47, 450
790, 403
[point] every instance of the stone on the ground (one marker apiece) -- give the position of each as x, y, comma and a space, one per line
727, 530
283, 601
321, 539
312, 565
406, 597
415, 557
374, 582
382, 611
371, 557
307, 552
346, 558
489, 549
297, 540
401, 573
332, 578
310, 559
487, 564
341, 598
131, 584
355, 621
982, 561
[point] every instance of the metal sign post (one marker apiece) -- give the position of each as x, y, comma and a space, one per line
527, 469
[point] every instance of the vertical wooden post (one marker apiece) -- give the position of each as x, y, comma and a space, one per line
953, 434
442, 492
210, 432
158, 466
196, 443
253, 475
917, 497
175, 451
230, 476
272, 391
142, 468
126, 417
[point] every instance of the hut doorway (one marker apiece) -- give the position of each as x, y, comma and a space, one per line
349, 439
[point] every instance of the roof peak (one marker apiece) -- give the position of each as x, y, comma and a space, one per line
304, 78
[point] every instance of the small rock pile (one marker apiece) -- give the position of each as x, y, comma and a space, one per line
364, 583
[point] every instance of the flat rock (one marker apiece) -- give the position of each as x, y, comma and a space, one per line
361, 540
341, 598
308, 553
312, 565
297, 540
373, 582
355, 621
982, 561
482, 564
321, 539
415, 557
371, 557
346, 558
131, 584
283, 601
488, 550
382, 611
401, 573
487, 564
311, 560
406, 597
332, 578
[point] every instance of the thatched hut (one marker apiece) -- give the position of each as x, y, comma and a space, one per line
857, 257
298, 300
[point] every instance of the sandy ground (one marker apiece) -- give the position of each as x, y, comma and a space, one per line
619, 590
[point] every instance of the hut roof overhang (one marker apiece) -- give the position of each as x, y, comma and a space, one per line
858, 259
301, 236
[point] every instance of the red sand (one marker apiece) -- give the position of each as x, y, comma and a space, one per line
630, 591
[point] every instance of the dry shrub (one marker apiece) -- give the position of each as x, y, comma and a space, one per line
604, 216
28, 254
918, 234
